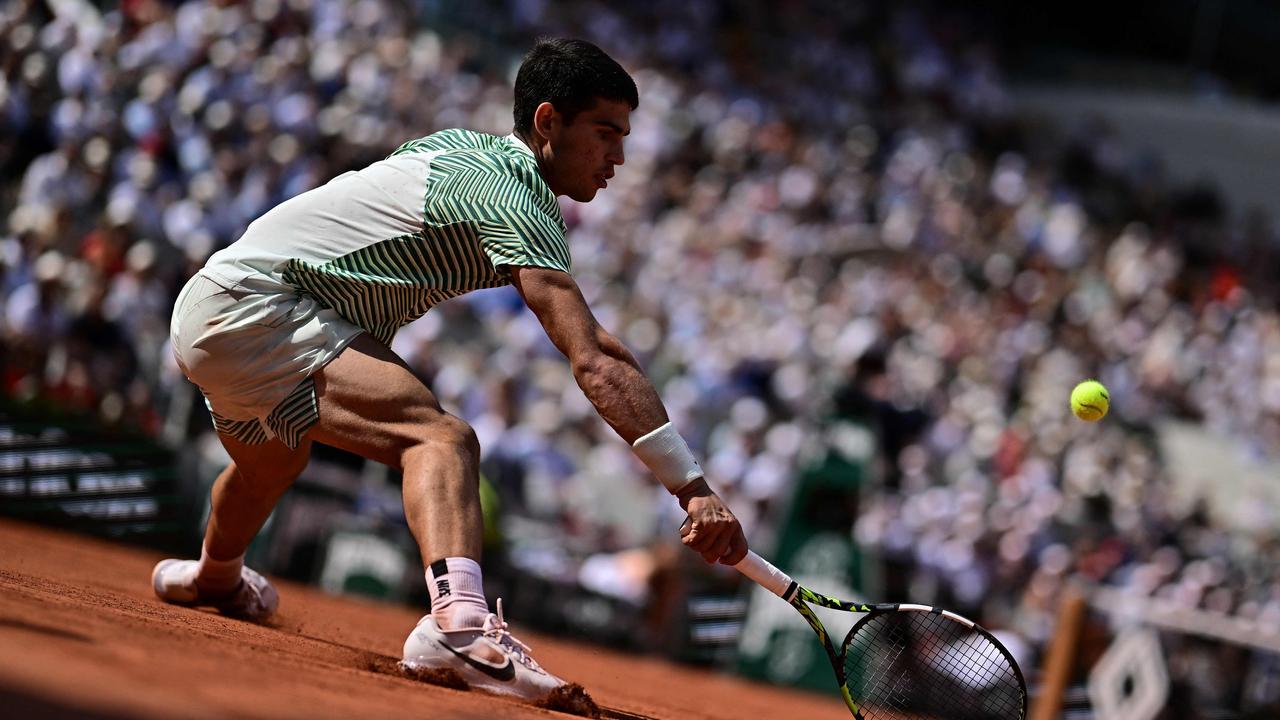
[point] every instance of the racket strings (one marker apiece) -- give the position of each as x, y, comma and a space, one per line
928, 666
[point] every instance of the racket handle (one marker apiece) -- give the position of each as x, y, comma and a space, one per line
765, 574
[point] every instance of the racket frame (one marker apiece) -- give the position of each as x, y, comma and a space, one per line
801, 598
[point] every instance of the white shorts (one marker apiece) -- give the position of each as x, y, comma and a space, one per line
252, 353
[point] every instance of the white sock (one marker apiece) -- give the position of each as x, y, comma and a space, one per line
215, 575
457, 593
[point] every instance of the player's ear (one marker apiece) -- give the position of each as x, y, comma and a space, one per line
546, 120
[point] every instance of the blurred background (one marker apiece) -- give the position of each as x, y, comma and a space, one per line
864, 249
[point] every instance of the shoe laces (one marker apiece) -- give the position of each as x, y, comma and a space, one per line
496, 630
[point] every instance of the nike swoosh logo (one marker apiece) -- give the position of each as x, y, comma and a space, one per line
504, 673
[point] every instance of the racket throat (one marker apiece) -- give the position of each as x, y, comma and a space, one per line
849, 701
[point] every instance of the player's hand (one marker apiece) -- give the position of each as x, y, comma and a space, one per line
711, 529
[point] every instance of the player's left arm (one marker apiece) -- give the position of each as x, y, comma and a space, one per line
613, 381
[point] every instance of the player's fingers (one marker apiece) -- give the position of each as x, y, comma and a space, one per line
720, 546
737, 549
691, 533
696, 538
704, 537
710, 549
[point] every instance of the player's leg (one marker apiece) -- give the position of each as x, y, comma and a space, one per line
372, 404
243, 496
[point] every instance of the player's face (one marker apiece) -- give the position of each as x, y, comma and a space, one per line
585, 151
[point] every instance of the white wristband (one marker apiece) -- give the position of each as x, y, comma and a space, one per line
667, 455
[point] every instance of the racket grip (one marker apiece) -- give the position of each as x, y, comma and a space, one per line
764, 574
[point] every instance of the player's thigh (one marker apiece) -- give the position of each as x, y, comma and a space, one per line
372, 404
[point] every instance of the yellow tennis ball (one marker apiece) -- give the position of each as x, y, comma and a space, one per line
1090, 401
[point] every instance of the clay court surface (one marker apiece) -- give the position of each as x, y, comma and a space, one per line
81, 635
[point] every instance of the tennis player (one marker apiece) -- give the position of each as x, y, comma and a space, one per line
287, 334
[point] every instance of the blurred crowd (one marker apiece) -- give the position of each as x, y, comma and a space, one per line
826, 210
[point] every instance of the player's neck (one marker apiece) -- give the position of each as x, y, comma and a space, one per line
539, 154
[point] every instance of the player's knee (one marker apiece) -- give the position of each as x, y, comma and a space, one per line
449, 433
295, 464
462, 436
271, 473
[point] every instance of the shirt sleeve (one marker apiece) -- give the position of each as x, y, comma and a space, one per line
514, 228
532, 240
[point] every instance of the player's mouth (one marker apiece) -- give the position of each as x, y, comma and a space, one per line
602, 179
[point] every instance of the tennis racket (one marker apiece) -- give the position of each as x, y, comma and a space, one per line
903, 662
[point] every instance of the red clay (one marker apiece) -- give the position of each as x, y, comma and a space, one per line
82, 635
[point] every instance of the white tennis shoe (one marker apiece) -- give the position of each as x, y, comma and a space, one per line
253, 599
488, 658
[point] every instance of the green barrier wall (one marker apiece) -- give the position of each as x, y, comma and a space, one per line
64, 471
815, 546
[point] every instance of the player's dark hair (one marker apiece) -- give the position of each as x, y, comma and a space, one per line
571, 75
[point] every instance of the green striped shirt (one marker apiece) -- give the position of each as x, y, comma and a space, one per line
441, 216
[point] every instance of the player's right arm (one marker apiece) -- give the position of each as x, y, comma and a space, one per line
612, 380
